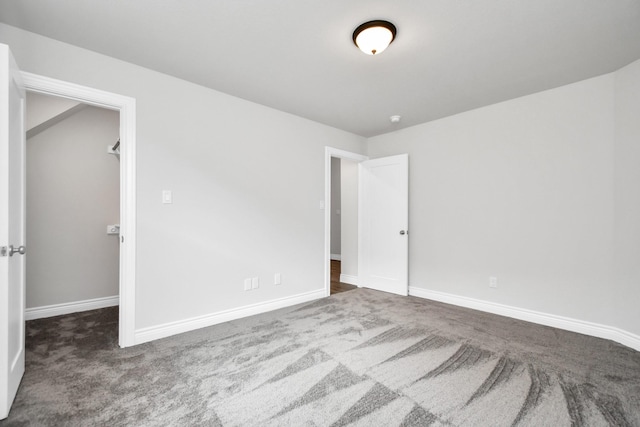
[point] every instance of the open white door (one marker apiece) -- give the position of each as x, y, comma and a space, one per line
383, 219
12, 229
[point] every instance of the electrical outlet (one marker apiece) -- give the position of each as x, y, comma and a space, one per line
493, 282
255, 283
277, 279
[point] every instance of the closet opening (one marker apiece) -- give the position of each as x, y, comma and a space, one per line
72, 208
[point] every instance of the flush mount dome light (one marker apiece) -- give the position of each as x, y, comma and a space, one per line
374, 36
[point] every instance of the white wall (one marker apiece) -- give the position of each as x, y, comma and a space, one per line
524, 191
246, 182
626, 280
41, 109
349, 204
335, 209
72, 195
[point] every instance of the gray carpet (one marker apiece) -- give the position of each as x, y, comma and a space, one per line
360, 358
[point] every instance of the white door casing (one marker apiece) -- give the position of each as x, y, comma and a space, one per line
12, 229
383, 220
127, 108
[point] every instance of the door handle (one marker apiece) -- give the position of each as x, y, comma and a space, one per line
19, 250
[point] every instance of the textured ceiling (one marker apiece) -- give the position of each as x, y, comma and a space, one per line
297, 56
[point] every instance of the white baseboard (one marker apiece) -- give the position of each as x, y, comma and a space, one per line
162, 331
351, 280
70, 307
566, 323
336, 257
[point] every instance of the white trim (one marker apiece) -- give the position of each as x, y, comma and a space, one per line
336, 257
168, 329
330, 152
561, 322
127, 108
351, 280
70, 307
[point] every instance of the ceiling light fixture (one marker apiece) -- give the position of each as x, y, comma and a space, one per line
374, 36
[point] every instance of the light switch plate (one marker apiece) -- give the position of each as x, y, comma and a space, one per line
167, 197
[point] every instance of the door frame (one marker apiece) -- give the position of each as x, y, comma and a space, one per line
126, 106
330, 152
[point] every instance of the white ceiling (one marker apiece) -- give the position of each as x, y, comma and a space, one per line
297, 55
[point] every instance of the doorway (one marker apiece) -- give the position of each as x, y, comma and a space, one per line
344, 225
126, 108
341, 208
72, 199
383, 219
